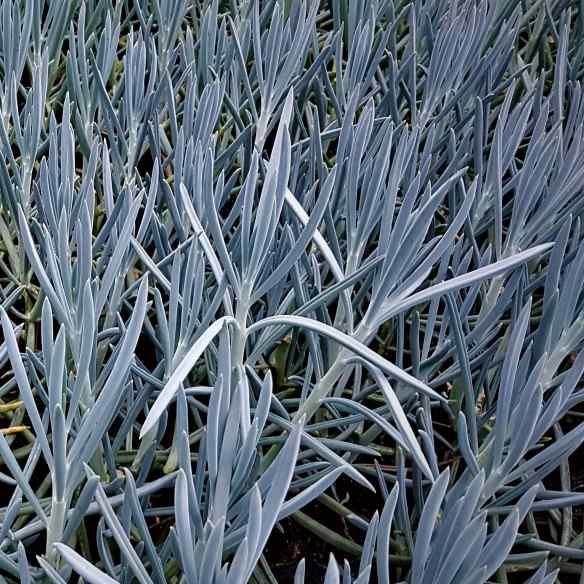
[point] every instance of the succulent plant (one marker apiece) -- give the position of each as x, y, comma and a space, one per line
291, 267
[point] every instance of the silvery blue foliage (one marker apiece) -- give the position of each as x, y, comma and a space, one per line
291, 267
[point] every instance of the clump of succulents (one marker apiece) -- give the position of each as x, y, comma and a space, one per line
291, 268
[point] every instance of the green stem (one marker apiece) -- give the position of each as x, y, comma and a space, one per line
55, 529
312, 403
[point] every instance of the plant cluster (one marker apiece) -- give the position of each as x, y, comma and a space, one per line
291, 267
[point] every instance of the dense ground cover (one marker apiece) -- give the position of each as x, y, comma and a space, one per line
288, 283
